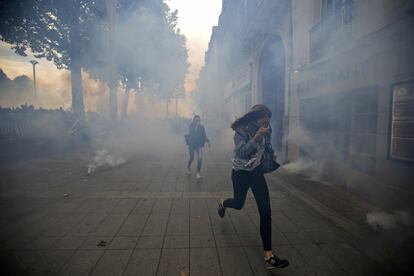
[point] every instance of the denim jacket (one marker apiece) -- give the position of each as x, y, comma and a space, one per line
197, 136
247, 152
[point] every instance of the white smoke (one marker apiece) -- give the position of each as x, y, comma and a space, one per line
383, 220
134, 137
305, 167
320, 158
104, 158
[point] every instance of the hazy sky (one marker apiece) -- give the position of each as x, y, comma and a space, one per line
196, 18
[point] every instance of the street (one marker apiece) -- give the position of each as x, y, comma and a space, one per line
104, 103
149, 217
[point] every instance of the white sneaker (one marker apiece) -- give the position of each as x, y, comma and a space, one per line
198, 175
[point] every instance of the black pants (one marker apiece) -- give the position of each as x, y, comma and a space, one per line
242, 181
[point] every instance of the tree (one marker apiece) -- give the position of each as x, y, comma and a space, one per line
149, 48
163, 55
57, 30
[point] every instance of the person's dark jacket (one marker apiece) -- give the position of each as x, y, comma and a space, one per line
197, 137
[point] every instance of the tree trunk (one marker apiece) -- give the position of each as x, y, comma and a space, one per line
75, 71
113, 100
101, 101
139, 102
77, 93
124, 111
168, 101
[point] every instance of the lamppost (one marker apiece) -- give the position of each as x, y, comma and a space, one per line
176, 107
124, 110
139, 96
177, 95
34, 62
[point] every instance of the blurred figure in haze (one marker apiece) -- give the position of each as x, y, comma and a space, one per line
254, 156
196, 139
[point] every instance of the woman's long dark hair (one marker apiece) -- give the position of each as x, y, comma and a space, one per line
256, 112
193, 121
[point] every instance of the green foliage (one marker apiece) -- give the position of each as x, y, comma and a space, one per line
56, 30
148, 47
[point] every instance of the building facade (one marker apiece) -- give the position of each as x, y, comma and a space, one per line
338, 77
247, 63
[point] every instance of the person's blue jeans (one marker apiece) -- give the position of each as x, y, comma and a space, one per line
199, 152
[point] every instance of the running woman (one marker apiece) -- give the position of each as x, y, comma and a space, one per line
252, 140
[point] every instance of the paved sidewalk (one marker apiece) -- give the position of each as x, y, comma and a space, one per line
147, 217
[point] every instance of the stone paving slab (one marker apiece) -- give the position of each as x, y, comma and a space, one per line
112, 263
204, 261
174, 262
81, 263
153, 219
143, 262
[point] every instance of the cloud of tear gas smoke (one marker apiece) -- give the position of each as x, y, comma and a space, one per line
311, 168
144, 133
305, 167
57, 93
53, 89
134, 138
320, 158
138, 28
195, 20
387, 221
146, 49
104, 158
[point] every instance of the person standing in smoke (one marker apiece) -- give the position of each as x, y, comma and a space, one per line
196, 140
254, 156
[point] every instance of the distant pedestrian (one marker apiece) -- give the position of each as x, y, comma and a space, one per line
196, 140
254, 156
